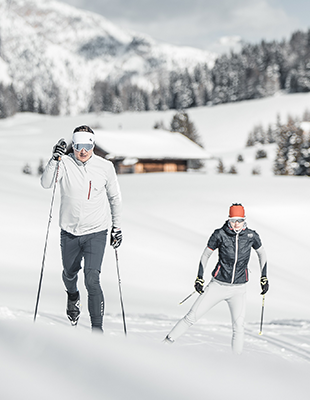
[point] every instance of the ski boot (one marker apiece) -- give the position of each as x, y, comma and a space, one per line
73, 307
168, 340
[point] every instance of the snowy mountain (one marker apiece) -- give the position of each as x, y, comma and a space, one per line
54, 54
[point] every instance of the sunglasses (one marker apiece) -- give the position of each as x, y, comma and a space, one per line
234, 220
85, 146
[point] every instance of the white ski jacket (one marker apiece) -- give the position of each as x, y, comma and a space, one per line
90, 194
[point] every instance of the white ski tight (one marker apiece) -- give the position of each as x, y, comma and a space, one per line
234, 295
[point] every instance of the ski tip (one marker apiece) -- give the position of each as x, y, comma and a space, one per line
73, 322
260, 333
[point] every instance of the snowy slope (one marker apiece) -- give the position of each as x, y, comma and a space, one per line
167, 219
52, 49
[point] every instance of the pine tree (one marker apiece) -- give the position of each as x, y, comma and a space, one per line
306, 115
261, 153
240, 158
8, 101
103, 95
41, 167
182, 124
27, 169
290, 143
270, 135
304, 155
220, 167
257, 136
233, 170
181, 90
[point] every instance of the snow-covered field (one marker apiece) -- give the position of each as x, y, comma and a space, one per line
167, 219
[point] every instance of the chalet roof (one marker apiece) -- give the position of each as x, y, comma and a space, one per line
145, 144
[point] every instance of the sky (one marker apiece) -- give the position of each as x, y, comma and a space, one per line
205, 24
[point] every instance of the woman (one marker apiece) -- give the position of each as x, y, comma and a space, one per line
234, 242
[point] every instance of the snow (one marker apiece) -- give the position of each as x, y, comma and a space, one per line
305, 126
167, 219
4, 74
155, 143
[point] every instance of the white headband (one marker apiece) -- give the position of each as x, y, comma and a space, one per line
83, 137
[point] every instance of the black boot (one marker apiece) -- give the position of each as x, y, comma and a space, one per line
73, 307
97, 329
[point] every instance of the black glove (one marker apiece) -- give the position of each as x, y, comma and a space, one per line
59, 149
199, 285
264, 284
116, 237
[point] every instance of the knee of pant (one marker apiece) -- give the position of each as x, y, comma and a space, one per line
92, 281
190, 318
238, 326
68, 277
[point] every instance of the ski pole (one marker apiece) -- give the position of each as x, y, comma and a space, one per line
45, 246
262, 316
186, 298
120, 292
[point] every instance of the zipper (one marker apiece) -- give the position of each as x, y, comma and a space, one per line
236, 259
89, 190
217, 271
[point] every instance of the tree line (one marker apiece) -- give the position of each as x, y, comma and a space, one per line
257, 71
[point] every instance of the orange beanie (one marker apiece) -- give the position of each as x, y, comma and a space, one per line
236, 211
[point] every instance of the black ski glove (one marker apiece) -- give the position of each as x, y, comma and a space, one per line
59, 149
116, 237
199, 285
264, 284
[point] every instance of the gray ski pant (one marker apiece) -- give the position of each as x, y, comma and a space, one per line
234, 295
90, 247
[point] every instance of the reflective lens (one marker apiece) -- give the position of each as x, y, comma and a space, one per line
85, 146
234, 220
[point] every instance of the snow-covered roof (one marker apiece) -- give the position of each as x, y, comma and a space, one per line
143, 144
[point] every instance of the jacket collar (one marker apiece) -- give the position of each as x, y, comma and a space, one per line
80, 163
230, 231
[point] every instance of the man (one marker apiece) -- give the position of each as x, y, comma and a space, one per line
90, 197
234, 242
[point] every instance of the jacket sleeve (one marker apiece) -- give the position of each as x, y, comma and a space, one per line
257, 243
214, 240
203, 261
213, 244
114, 197
262, 257
49, 174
